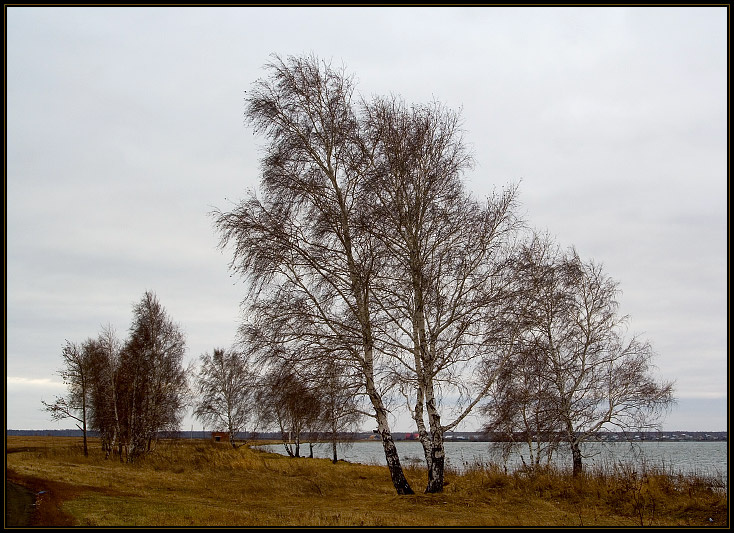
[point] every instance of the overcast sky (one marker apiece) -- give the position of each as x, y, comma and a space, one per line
125, 129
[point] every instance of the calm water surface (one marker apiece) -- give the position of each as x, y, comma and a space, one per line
700, 458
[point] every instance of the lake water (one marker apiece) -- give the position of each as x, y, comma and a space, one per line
703, 458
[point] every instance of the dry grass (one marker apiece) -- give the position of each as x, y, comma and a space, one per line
198, 483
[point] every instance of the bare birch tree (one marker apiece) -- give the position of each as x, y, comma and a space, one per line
152, 388
286, 401
309, 266
341, 412
226, 385
445, 294
595, 375
105, 367
520, 408
76, 373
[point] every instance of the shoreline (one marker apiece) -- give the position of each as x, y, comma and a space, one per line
191, 484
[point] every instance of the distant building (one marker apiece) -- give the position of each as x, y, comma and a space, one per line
220, 436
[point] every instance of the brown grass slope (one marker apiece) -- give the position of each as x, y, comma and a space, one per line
198, 483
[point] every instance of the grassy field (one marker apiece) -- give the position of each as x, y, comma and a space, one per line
199, 483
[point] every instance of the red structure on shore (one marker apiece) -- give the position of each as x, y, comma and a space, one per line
220, 436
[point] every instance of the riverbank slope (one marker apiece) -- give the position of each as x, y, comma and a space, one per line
200, 483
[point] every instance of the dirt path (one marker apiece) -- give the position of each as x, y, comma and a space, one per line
19, 505
35, 502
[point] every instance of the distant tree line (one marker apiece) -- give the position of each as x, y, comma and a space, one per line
376, 281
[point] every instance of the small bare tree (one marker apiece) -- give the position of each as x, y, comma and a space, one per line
128, 392
76, 373
341, 413
594, 376
521, 407
226, 386
152, 388
286, 401
105, 367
